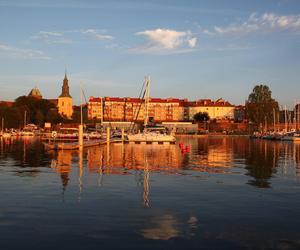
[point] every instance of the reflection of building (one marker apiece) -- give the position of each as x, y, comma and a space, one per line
133, 157
169, 226
65, 102
63, 166
167, 110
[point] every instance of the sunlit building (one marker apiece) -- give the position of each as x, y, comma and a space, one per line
65, 101
160, 110
133, 109
219, 109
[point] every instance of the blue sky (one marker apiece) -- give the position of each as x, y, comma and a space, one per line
191, 49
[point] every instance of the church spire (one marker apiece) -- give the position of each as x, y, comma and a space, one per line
65, 88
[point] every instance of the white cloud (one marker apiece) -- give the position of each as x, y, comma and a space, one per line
22, 53
98, 34
268, 22
166, 39
54, 37
192, 42
51, 37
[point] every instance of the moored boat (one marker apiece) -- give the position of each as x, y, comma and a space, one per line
150, 133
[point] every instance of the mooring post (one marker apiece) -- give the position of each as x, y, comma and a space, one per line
123, 135
80, 136
108, 135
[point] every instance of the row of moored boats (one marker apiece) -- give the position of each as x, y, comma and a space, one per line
278, 135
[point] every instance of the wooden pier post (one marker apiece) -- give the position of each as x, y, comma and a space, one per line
80, 135
108, 135
123, 135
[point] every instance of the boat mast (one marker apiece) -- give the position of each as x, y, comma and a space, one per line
274, 117
101, 98
285, 119
25, 118
80, 134
2, 125
147, 99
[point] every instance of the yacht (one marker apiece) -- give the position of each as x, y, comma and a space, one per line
150, 133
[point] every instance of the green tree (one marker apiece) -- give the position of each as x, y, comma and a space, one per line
260, 105
76, 117
38, 111
39, 118
201, 117
11, 116
53, 116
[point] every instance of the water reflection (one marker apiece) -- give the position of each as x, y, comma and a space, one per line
260, 160
224, 190
169, 226
26, 154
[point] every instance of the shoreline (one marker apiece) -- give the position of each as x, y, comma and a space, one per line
210, 135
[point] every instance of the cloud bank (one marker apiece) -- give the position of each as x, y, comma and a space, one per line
267, 22
98, 34
51, 37
20, 53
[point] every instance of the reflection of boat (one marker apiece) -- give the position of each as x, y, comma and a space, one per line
75, 145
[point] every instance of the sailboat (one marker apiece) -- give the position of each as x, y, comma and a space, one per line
150, 133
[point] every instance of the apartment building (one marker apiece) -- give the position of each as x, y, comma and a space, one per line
160, 110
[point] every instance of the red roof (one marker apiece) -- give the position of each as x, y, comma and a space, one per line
6, 103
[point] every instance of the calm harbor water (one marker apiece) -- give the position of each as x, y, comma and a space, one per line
226, 192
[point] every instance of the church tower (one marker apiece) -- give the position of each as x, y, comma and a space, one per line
65, 101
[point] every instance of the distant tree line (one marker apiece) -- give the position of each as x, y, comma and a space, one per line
27, 109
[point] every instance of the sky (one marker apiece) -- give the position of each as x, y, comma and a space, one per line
190, 48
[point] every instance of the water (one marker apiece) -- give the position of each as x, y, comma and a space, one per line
227, 192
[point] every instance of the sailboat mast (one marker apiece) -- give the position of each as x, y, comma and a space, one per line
81, 100
80, 130
274, 118
285, 119
25, 118
147, 97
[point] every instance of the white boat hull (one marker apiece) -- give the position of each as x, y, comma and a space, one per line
151, 138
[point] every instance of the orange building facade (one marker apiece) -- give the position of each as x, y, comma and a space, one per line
160, 110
